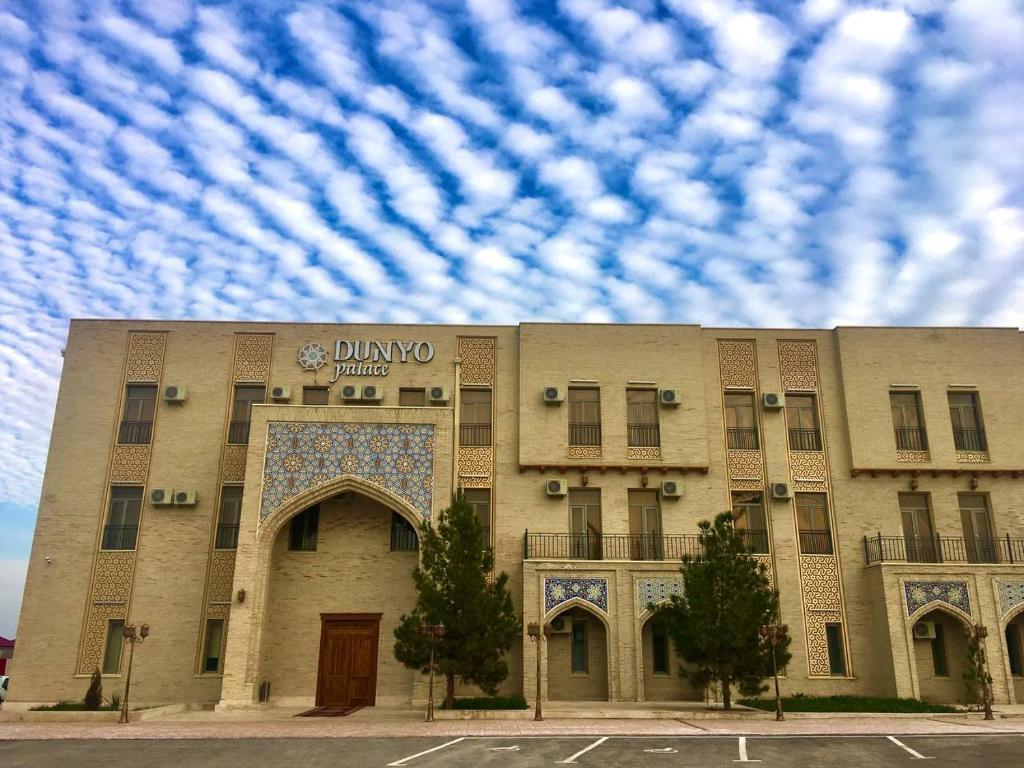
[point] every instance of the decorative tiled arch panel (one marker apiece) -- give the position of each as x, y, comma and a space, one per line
562, 590
301, 456
920, 593
656, 589
1011, 595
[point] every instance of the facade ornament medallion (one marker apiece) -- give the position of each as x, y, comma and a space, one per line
312, 356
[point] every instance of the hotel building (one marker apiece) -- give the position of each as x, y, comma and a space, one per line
252, 492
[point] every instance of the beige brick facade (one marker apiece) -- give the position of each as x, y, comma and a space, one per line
863, 584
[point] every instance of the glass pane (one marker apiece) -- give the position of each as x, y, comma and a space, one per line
836, 662
939, 662
480, 500
659, 649
579, 646
112, 651
214, 641
642, 407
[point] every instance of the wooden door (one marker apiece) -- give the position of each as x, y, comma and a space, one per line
347, 675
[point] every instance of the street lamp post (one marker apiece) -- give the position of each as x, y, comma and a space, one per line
538, 635
133, 637
980, 633
772, 634
433, 632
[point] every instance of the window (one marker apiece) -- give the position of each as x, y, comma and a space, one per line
659, 648
644, 525
642, 418
740, 422
918, 533
584, 416
748, 514
812, 524
907, 421
112, 649
137, 420
403, 535
412, 398
979, 534
1014, 649
578, 641
241, 411
836, 658
229, 517
475, 426
939, 662
303, 529
480, 500
213, 646
122, 526
802, 423
965, 415
316, 396
585, 524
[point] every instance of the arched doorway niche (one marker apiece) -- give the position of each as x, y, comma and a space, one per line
583, 674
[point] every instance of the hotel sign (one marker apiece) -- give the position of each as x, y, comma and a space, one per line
365, 358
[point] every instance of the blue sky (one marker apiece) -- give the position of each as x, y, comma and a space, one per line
727, 163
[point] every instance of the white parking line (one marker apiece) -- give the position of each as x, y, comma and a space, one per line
913, 753
584, 751
404, 760
743, 752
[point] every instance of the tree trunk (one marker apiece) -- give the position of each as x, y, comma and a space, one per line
726, 694
449, 696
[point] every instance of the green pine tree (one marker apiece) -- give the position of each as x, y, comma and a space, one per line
455, 588
715, 623
977, 680
94, 695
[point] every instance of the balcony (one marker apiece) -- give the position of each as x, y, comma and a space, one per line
943, 549
815, 542
969, 440
582, 435
632, 546
474, 434
119, 536
741, 438
804, 440
911, 439
135, 432
643, 435
238, 432
227, 536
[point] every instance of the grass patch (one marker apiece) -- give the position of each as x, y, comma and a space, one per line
492, 702
73, 706
803, 703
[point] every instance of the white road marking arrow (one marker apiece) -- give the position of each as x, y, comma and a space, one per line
503, 749
663, 751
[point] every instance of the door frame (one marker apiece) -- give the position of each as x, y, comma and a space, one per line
372, 619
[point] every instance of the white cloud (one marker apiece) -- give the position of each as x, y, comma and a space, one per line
159, 50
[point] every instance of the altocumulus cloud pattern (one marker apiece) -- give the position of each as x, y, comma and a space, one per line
777, 163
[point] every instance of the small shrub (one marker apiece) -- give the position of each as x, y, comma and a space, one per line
115, 701
492, 702
94, 696
801, 702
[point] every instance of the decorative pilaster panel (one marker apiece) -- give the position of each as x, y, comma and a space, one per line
233, 464
746, 470
736, 363
252, 357
817, 641
475, 466
798, 366
145, 357
222, 573
95, 634
477, 355
819, 578
808, 471
129, 464
477, 369
113, 580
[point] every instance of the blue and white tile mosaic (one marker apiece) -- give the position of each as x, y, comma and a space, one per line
920, 593
301, 456
1011, 595
656, 589
559, 590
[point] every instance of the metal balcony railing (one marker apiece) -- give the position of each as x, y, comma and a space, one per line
943, 549
584, 434
816, 542
633, 546
238, 432
643, 435
741, 438
911, 439
404, 540
135, 432
474, 434
804, 440
227, 536
120, 536
969, 440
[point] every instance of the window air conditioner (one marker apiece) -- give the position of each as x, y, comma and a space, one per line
781, 491
553, 394
670, 396
438, 394
350, 392
372, 392
161, 497
924, 630
175, 393
557, 487
185, 498
773, 400
671, 489
281, 393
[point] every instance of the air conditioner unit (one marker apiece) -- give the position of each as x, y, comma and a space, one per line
281, 393
559, 626
175, 393
438, 394
185, 498
161, 497
670, 396
372, 392
781, 491
773, 400
557, 487
351, 392
553, 394
671, 489
924, 630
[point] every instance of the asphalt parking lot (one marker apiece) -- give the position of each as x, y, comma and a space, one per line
521, 752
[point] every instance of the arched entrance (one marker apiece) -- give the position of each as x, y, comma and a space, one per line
577, 655
660, 665
940, 654
1013, 642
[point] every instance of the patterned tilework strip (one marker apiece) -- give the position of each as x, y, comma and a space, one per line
920, 593
1011, 595
558, 591
656, 590
301, 456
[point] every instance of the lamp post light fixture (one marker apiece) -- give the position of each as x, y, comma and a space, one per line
773, 634
538, 635
129, 633
433, 633
980, 632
